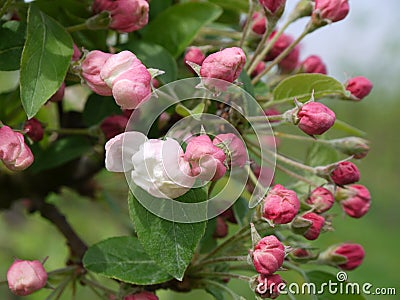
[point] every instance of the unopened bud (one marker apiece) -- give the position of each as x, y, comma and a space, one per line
359, 87
346, 256
34, 129
268, 255
315, 118
345, 173
321, 199
355, 200
358, 147
313, 64
309, 225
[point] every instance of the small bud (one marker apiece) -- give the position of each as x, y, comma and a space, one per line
233, 147
315, 118
226, 65
221, 229
113, 125
359, 87
326, 11
313, 64
321, 199
59, 95
354, 254
141, 296
34, 129
355, 200
229, 216
25, 277
268, 255
91, 67
206, 159
291, 61
345, 173
268, 286
259, 23
309, 225
194, 55
77, 53
273, 7
283, 41
281, 205
300, 252
126, 15
358, 147
258, 69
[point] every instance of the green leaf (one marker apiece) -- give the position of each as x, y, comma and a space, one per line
208, 241
155, 56
59, 152
97, 108
45, 60
170, 244
123, 258
348, 129
11, 43
247, 86
240, 211
301, 86
237, 5
321, 154
321, 277
176, 27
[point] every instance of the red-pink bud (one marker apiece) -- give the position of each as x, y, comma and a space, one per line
281, 205
91, 67
113, 125
272, 6
332, 10
345, 173
77, 53
313, 64
229, 216
226, 65
25, 277
279, 46
301, 252
59, 95
129, 79
357, 202
259, 23
359, 87
268, 255
290, 61
354, 254
315, 118
258, 69
14, 153
142, 296
221, 228
126, 15
317, 222
194, 55
206, 159
321, 199
34, 129
233, 147
268, 286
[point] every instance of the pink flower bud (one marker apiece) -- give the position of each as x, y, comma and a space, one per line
113, 125
25, 277
313, 64
332, 10
229, 216
321, 199
142, 296
34, 129
258, 69
268, 255
91, 67
300, 252
315, 118
272, 6
359, 87
281, 205
272, 112
268, 286
221, 228
59, 95
129, 79
233, 147
354, 254
194, 55
345, 173
317, 222
355, 146
14, 153
77, 53
226, 65
291, 61
357, 202
126, 15
279, 46
259, 23
207, 160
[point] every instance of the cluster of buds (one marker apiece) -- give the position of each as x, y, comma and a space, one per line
121, 75
14, 152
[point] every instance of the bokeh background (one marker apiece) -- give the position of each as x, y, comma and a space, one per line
366, 43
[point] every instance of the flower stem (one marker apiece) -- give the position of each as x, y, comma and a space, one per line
219, 32
221, 287
217, 260
71, 131
247, 27
78, 27
264, 118
222, 274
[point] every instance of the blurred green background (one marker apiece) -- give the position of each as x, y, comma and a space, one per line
355, 46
